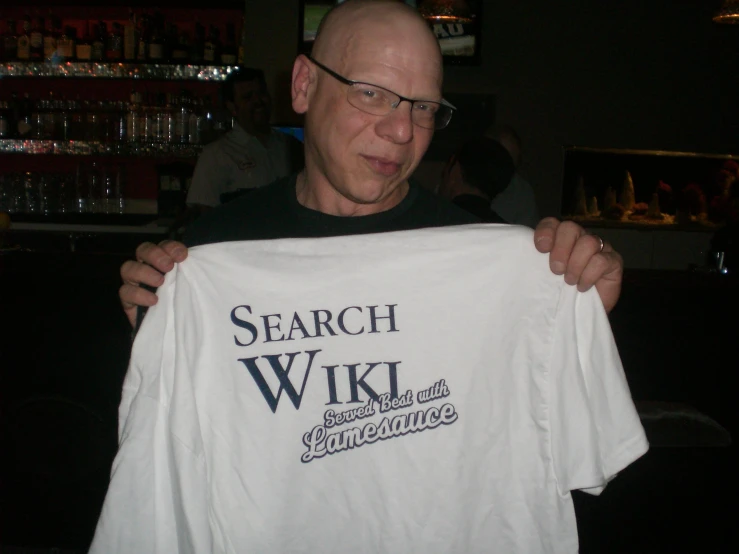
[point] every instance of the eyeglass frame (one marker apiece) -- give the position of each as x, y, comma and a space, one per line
402, 99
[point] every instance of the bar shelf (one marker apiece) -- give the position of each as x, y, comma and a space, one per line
113, 70
97, 148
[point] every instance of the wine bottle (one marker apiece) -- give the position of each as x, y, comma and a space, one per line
36, 39
65, 46
24, 40
84, 45
50, 37
10, 42
230, 53
97, 50
212, 49
114, 48
129, 38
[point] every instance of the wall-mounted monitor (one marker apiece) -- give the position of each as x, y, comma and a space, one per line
457, 25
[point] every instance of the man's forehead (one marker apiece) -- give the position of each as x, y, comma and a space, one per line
392, 64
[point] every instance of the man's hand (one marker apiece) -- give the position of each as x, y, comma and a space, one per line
579, 257
152, 262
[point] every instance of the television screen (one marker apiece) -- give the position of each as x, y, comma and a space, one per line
296, 132
456, 24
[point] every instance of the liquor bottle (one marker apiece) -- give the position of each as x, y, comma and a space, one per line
23, 121
97, 50
195, 124
158, 124
142, 48
146, 131
84, 45
133, 122
182, 119
170, 135
171, 39
65, 46
10, 42
197, 50
129, 38
24, 40
119, 192
242, 42
157, 42
181, 49
114, 47
212, 49
230, 53
50, 37
37, 39
207, 122
5, 120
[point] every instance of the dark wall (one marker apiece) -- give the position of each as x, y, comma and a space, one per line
635, 73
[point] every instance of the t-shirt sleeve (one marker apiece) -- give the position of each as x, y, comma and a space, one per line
157, 482
595, 429
209, 179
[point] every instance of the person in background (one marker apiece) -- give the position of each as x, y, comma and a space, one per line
517, 202
476, 175
249, 156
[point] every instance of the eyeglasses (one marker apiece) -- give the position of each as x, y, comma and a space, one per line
376, 100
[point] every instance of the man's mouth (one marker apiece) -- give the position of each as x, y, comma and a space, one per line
383, 166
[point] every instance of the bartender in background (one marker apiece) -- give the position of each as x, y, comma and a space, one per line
517, 202
251, 155
475, 175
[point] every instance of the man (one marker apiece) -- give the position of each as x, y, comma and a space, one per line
371, 94
517, 202
358, 163
476, 175
251, 155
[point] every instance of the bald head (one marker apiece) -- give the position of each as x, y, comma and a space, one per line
358, 161
379, 25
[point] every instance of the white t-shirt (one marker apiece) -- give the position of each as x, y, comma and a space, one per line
430, 391
238, 161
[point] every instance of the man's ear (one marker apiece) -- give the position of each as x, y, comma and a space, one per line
302, 84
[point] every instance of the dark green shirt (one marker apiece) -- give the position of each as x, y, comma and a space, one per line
274, 212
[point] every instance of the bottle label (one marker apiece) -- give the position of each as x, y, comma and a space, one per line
24, 48
49, 47
228, 59
156, 51
209, 55
97, 50
84, 52
65, 48
37, 40
129, 43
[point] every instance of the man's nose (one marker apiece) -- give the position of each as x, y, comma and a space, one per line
397, 126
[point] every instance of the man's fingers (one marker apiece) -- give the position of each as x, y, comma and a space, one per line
607, 279
544, 234
176, 250
586, 252
135, 273
565, 242
155, 256
133, 296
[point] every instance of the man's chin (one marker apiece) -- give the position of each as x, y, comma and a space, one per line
382, 192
